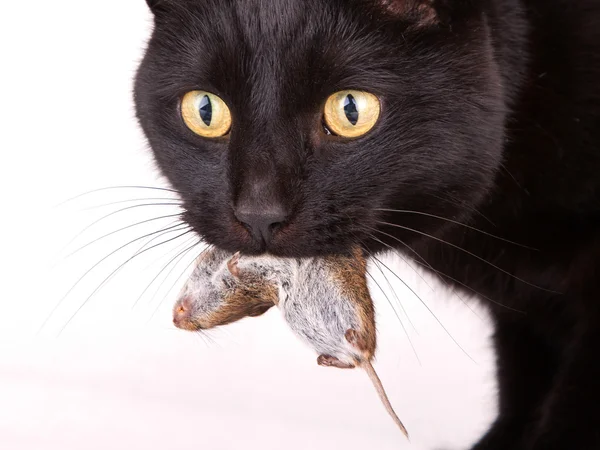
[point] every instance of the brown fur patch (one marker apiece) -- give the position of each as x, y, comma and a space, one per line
350, 275
252, 297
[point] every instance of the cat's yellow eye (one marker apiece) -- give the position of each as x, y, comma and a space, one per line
351, 113
205, 114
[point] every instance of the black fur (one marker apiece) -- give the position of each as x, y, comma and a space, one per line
490, 117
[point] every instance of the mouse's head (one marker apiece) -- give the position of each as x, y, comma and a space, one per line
217, 294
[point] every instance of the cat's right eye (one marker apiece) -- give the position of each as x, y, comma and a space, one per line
205, 114
351, 113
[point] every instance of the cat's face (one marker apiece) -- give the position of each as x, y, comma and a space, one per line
434, 148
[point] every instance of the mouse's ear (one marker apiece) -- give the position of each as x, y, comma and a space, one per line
232, 265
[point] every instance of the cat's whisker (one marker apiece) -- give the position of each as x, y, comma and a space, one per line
387, 298
447, 198
404, 211
115, 272
178, 257
123, 229
128, 208
468, 253
93, 191
428, 309
401, 257
178, 253
426, 264
396, 313
478, 294
168, 254
391, 288
503, 167
452, 200
440, 274
175, 201
157, 234
371, 236
208, 248
398, 300
177, 280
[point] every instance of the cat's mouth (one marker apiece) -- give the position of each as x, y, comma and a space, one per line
277, 240
291, 239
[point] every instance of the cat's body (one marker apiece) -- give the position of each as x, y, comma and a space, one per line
490, 117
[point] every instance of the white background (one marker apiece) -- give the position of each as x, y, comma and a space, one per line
119, 375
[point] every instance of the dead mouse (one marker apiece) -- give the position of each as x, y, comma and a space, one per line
325, 301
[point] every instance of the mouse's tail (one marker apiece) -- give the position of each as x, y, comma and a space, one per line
383, 396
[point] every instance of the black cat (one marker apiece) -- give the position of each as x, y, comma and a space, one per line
463, 132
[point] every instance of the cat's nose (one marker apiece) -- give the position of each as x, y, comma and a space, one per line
262, 222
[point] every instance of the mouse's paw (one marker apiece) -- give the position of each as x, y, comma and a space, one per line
332, 361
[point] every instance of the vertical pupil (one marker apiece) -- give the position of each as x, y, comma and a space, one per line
350, 109
206, 110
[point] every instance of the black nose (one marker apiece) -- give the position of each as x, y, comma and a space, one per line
262, 222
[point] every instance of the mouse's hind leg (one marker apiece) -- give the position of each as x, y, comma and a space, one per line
355, 340
332, 361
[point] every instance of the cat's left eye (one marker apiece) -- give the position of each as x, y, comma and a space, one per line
351, 113
205, 114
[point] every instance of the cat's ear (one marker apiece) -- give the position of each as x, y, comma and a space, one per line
158, 6
423, 13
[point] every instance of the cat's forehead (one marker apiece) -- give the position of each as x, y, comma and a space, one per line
270, 47
272, 18
259, 28
259, 18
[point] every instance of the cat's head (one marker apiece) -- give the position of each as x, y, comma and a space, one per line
238, 101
